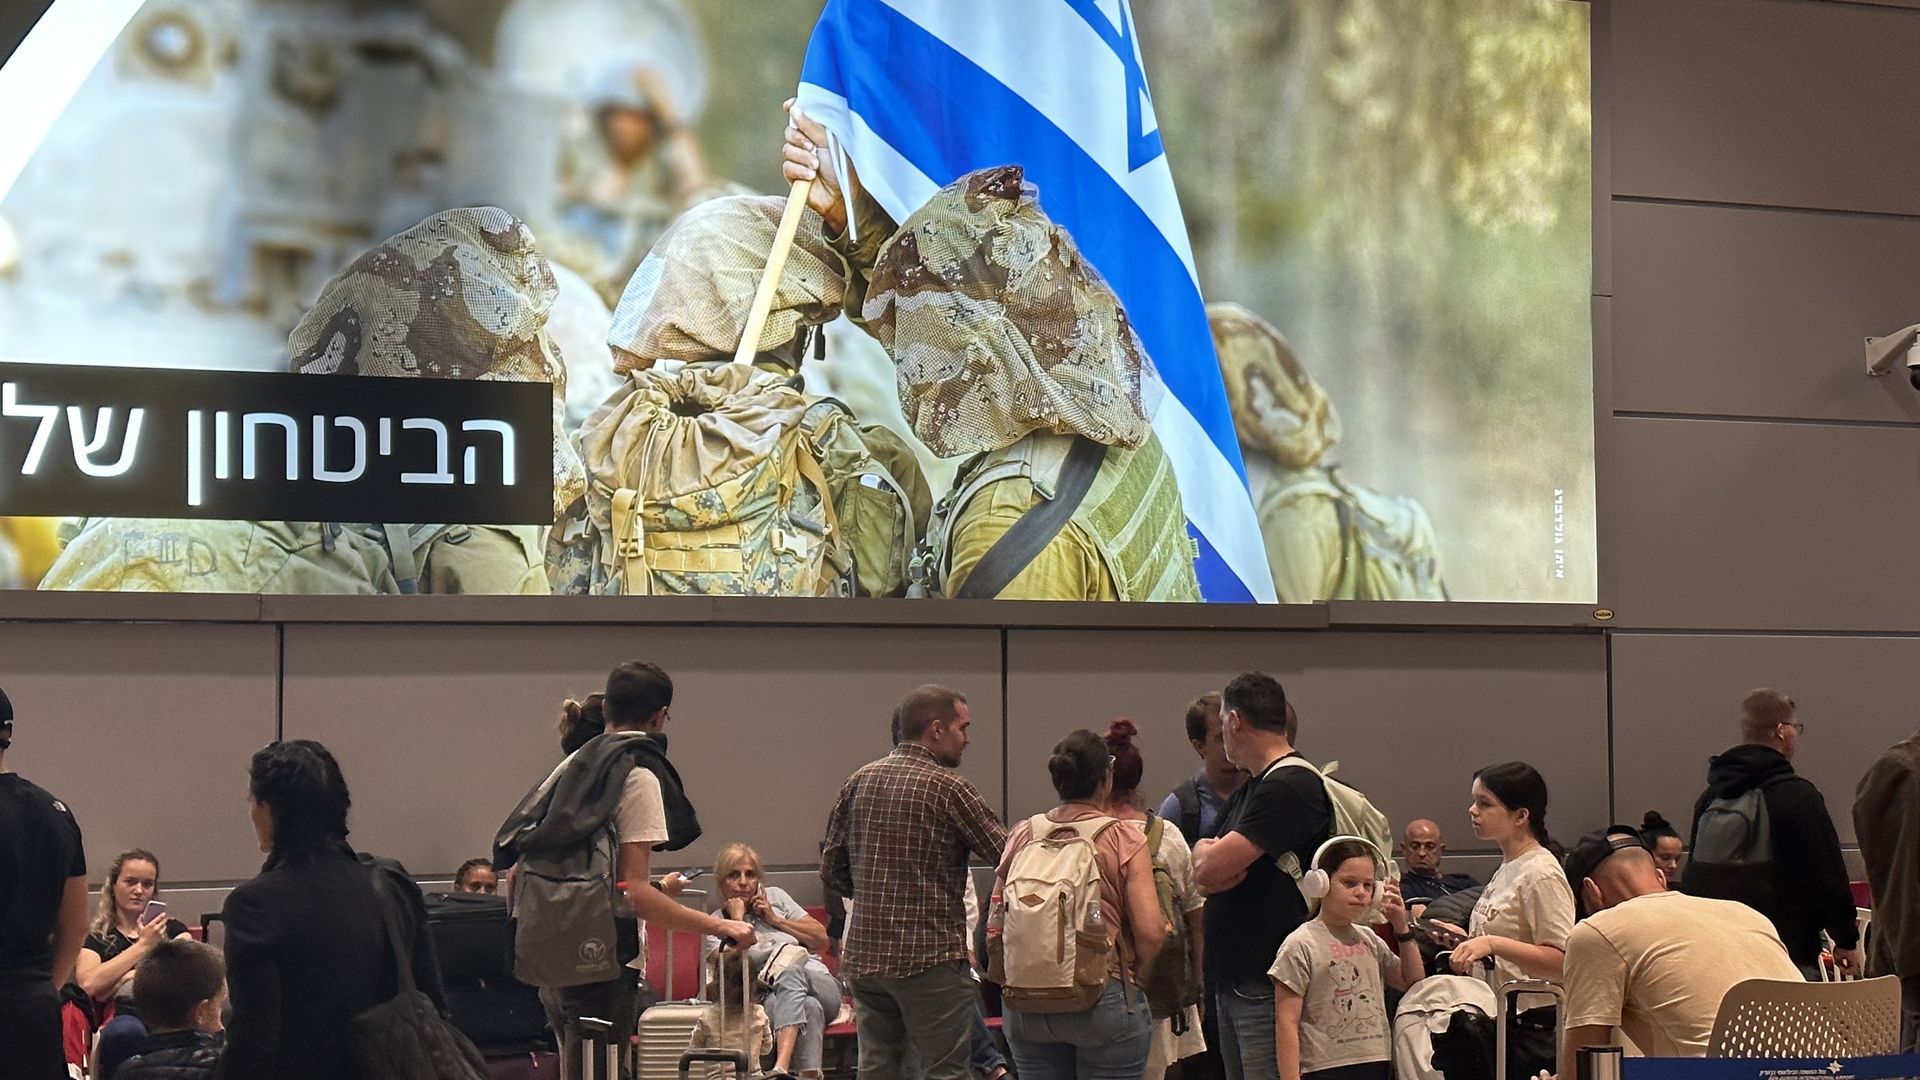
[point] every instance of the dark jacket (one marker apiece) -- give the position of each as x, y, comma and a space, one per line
178, 1055
307, 952
1886, 819
582, 797
1811, 885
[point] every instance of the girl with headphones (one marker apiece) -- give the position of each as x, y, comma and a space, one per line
1330, 976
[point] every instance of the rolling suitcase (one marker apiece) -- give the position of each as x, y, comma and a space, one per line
723, 1055
599, 1051
666, 1030
1509, 991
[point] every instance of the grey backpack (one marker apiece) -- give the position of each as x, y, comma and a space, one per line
566, 915
1732, 856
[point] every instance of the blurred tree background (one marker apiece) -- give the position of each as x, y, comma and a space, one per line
1404, 187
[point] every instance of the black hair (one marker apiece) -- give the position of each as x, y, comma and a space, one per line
460, 875
636, 692
1259, 699
1078, 765
1519, 786
922, 706
174, 979
1205, 708
1337, 854
302, 785
581, 722
1654, 827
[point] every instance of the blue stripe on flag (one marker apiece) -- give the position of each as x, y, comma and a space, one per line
904, 81
1218, 583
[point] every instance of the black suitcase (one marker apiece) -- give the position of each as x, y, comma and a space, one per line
500, 1015
471, 935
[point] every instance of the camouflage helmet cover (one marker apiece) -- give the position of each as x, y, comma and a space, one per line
1278, 409
999, 327
464, 294
690, 297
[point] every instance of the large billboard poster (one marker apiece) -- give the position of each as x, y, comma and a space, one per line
1206, 300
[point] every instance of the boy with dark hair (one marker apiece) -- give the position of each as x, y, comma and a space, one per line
180, 991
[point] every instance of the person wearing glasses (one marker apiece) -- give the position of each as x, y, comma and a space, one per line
1801, 884
1423, 848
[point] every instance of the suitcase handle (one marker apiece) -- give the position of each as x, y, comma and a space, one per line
1508, 993
719, 1057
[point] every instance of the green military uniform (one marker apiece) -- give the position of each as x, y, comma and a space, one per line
1011, 348
714, 478
1326, 538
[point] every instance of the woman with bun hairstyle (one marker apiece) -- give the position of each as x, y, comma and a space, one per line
580, 721
1109, 1039
1658, 834
1173, 856
1526, 912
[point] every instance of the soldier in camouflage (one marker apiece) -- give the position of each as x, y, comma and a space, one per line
721, 479
1013, 351
1326, 538
462, 295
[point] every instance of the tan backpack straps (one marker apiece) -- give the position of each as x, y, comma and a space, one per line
629, 543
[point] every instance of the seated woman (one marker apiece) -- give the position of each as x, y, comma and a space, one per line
119, 938
801, 996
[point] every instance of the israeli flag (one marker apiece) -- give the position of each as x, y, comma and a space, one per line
921, 92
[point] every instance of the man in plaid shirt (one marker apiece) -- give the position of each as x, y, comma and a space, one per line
897, 844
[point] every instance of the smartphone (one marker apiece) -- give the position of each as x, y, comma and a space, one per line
156, 909
689, 875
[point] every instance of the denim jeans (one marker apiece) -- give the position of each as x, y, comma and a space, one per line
804, 996
1245, 1014
1107, 1041
931, 1012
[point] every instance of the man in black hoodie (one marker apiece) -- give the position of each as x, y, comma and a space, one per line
1809, 891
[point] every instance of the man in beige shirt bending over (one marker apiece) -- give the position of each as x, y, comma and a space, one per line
1654, 963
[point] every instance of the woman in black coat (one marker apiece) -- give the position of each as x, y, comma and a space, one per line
306, 944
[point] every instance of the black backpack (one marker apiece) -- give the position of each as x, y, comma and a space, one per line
1733, 856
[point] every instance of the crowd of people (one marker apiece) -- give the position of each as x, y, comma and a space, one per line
1249, 929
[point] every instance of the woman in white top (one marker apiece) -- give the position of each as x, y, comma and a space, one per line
1523, 918
1176, 859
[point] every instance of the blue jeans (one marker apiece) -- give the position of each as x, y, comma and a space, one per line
1245, 1014
1108, 1041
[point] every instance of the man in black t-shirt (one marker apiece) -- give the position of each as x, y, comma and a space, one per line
43, 916
1253, 903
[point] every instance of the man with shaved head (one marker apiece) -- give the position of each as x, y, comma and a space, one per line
1651, 962
1421, 845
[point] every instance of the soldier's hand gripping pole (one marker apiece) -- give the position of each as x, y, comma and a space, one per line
776, 265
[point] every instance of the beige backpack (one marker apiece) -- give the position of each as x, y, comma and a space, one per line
1047, 943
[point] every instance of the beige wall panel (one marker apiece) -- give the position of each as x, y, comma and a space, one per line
1676, 702
145, 731
1735, 311
1410, 716
441, 729
1772, 102
1725, 525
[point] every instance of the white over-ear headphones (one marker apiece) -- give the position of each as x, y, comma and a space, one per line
1316, 883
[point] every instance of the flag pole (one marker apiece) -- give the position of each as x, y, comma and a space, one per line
776, 265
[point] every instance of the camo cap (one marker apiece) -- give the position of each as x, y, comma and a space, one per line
690, 297
1278, 408
464, 294
999, 327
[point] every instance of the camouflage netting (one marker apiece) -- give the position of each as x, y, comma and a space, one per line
999, 327
1278, 408
464, 294
689, 299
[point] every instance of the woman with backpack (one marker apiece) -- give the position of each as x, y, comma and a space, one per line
1174, 983
1073, 1000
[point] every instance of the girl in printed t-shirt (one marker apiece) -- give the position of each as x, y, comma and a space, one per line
1330, 1013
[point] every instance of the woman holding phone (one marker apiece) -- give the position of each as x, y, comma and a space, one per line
129, 922
800, 995
1521, 921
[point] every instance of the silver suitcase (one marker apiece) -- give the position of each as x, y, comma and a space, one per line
1509, 991
720, 1055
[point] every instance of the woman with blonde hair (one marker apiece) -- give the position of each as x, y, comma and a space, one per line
121, 934
801, 996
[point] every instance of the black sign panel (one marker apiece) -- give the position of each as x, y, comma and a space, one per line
142, 442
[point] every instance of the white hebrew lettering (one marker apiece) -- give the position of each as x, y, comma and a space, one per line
386, 436
194, 454
500, 428
440, 475
339, 476
49, 417
84, 447
222, 445
250, 425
